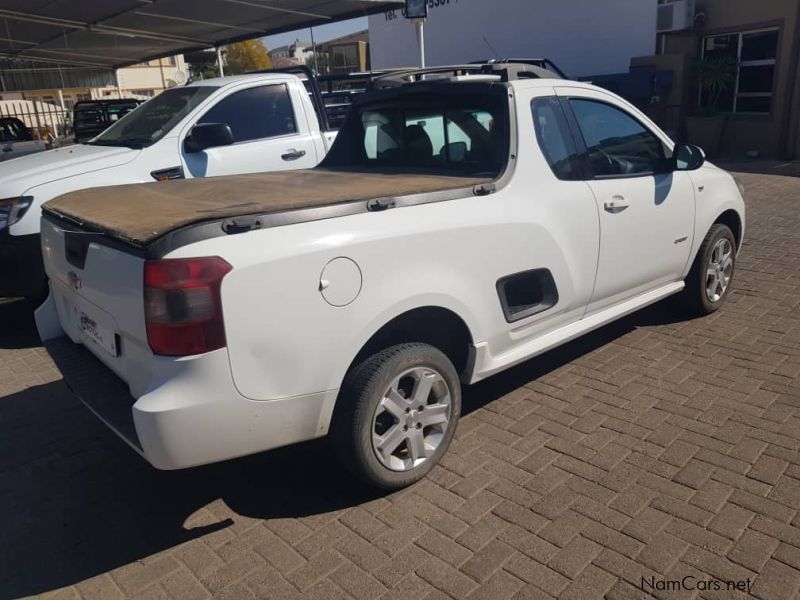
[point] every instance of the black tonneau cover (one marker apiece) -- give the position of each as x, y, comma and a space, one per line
140, 214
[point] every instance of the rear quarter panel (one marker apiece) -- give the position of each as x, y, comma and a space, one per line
285, 340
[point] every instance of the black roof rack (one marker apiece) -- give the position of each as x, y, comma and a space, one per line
505, 72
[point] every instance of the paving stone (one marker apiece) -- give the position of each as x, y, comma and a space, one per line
656, 447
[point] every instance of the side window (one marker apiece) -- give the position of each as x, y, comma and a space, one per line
555, 139
12, 130
616, 143
382, 137
20, 131
255, 113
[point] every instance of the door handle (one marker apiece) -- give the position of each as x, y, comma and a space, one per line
616, 205
293, 154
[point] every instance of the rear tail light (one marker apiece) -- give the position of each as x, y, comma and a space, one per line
182, 305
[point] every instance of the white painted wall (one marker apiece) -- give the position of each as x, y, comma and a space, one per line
146, 77
584, 37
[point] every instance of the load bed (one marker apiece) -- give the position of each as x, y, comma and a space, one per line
138, 215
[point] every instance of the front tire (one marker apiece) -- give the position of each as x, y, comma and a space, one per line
711, 278
396, 415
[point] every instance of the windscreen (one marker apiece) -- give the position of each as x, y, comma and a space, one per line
89, 116
463, 134
154, 119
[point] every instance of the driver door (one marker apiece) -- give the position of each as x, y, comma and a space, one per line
268, 135
646, 209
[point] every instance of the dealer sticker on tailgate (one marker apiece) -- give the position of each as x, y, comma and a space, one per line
99, 334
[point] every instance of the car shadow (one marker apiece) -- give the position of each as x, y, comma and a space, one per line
663, 187
477, 396
759, 166
17, 329
77, 502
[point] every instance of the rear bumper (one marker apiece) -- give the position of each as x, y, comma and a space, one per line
194, 416
21, 268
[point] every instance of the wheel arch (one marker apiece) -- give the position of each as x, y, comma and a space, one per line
733, 221
438, 326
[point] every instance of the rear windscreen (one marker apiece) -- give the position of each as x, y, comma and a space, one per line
465, 135
90, 116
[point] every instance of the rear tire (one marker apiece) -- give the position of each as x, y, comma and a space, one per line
396, 415
710, 280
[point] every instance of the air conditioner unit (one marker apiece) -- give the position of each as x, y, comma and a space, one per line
675, 15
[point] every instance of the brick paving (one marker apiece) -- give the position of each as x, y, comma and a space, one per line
657, 447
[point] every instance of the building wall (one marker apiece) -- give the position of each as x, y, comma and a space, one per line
583, 37
774, 134
140, 81
148, 76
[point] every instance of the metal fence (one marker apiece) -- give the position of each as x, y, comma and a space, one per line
44, 120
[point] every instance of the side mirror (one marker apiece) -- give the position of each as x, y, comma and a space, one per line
686, 157
208, 135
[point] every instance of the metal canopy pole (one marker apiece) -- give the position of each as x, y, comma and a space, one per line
420, 25
219, 62
161, 69
116, 81
314, 50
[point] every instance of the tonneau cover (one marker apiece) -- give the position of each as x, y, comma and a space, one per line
139, 214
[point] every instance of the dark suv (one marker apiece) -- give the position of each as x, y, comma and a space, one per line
93, 117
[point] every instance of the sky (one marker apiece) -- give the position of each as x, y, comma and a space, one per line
321, 34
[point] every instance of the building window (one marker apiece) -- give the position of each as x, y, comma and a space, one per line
345, 58
754, 53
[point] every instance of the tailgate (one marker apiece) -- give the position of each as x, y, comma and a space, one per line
97, 290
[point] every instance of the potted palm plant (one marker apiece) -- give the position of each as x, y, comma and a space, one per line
714, 76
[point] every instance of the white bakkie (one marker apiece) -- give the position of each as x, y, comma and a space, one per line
460, 225
240, 124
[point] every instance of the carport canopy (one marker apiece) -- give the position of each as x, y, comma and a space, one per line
117, 33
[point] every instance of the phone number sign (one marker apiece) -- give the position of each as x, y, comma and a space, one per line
394, 14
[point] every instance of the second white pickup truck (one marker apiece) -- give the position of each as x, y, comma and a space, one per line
460, 225
240, 124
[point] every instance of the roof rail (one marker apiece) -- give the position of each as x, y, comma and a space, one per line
504, 72
544, 63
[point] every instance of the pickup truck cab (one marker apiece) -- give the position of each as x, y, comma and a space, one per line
239, 124
90, 118
460, 225
16, 140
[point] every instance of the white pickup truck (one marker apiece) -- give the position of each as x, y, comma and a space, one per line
460, 225
240, 124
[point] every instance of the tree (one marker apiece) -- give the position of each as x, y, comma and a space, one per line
247, 56
715, 76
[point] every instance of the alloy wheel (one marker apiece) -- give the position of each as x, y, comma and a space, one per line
411, 419
719, 270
